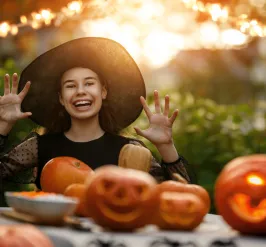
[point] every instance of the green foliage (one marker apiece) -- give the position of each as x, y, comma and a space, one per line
209, 135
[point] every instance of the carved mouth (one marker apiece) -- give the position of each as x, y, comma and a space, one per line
177, 219
247, 209
127, 216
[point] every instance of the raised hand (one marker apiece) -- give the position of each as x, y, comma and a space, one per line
10, 102
160, 128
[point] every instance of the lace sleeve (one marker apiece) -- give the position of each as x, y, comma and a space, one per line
164, 171
20, 164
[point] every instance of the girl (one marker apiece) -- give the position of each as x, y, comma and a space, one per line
84, 92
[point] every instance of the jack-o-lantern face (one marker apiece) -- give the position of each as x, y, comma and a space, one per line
120, 199
240, 194
181, 206
179, 210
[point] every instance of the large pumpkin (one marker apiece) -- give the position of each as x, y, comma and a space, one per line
78, 191
119, 198
181, 206
23, 235
135, 157
240, 194
60, 172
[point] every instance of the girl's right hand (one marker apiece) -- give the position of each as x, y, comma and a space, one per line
10, 102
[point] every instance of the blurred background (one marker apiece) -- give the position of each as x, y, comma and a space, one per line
209, 56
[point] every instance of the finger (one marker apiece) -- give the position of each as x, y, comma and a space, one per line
145, 107
173, 117
25, 115
166, 106
140, 132
7, 84
157, 102
14, 84
25, 90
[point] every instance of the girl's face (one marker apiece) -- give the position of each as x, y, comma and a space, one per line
81, 93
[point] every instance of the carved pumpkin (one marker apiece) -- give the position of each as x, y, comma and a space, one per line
240, 194
23, 235
119, 198
78, 191
60, 172
135, 157
181, 206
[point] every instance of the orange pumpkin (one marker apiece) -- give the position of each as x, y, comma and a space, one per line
23, 235
60, 172
119, 198
180, 206
240, 194
78, 191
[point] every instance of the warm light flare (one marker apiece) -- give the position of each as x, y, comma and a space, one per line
217, 12
233, 37
4, 29
75, 6
255, 179
23, 19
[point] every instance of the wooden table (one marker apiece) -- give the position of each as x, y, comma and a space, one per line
211, 229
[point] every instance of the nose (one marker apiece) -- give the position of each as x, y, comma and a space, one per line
80, 89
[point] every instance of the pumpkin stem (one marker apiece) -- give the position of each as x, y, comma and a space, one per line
77, 164
179, 178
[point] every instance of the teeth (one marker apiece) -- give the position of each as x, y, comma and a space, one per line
82, 102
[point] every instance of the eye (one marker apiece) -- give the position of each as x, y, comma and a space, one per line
89, 83
70, 86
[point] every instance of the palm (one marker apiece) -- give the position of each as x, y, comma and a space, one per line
10, 102
160, 128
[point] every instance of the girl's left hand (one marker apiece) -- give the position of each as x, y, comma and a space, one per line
160, 129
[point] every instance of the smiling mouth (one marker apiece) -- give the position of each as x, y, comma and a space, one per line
83, 103
122, 217
173, 219
241, 205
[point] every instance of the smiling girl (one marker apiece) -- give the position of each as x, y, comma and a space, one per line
83, 92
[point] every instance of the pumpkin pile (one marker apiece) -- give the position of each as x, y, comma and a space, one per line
127, 197
23, 235
240, 194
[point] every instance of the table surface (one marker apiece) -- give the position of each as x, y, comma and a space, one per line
211, 229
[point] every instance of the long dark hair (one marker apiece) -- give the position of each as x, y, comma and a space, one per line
63, 122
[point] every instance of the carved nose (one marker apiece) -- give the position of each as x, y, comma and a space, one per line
120, 193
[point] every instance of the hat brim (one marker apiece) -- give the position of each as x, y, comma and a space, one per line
125, 83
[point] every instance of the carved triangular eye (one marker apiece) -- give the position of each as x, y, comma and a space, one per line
108, 184
105, 185
142, 190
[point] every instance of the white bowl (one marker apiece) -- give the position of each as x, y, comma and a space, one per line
48, 209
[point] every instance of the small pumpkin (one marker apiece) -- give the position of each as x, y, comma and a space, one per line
78, 191
240, 194
119, 198
180, 206
135, 157
60, 172
23, 235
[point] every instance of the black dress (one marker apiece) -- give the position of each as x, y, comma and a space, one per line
32, 154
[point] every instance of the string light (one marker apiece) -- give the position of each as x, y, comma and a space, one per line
217, 12
220, 14
44, 17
